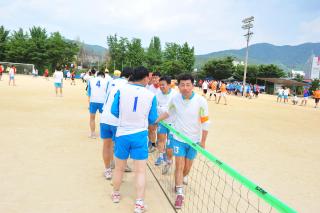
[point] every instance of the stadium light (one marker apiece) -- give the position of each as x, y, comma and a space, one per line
248, 20
247, 25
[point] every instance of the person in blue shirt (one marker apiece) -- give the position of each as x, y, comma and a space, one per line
306, 95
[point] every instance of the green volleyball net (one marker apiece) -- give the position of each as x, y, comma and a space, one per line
213, 186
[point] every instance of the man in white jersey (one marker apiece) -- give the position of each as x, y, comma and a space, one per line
97, 92
153, 86
58, 80
109, 123
136, 108
163, 99
191, 119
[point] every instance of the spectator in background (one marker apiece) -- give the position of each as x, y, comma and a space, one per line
46, 74
223, 93
280, 94
73, 76
286, 93
12, 73
58, 80
295, 99
316, 95
306, 95
204, 88
1, 71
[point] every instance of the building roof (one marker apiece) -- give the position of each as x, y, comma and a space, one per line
283, 81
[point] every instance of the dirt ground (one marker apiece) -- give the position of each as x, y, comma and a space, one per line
48, 164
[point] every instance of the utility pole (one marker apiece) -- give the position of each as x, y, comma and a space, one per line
247, 25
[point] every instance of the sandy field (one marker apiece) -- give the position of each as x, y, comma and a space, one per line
48, 164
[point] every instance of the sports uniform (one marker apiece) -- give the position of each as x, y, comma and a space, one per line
97, 91
191, 117
108, 122
136, 108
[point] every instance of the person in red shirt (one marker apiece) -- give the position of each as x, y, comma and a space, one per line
73, 76
1, 71
46, 74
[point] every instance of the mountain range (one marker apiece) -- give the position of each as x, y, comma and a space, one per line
287, 56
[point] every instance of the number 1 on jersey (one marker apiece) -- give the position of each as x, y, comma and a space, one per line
135, 104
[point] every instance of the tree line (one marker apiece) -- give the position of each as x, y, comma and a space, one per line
36, 47
225, 68
172, 60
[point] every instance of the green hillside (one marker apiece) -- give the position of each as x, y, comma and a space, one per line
287, 57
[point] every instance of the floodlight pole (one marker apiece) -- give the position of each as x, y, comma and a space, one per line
247, 25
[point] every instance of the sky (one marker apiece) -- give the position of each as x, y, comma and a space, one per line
208, 25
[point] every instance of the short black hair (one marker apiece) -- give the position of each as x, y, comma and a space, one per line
166, 78
127, 72
58, 67
93, 71
156, 74
184, 77
139, 73
101, 74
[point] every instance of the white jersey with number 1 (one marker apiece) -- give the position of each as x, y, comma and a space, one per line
137, 107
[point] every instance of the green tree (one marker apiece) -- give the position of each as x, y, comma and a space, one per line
187, 57
270, 71
219, 68
171, 68
118, 52
18, 47
38, 47
154, 54
60, 51
314, 85
171, 52
135, 55
252, 73
3, 42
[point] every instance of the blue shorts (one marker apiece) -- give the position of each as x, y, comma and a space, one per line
107, 131
163, 130
280, 96
93, 107
169, 141
134, 145
11, 77
285, 96
58, 85
181, 149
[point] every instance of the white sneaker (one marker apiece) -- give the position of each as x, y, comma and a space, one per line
138, 208
108, 174
115, 197
185, 180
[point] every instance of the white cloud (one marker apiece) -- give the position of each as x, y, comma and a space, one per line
209, 25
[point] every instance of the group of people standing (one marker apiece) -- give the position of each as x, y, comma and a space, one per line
132, 105
283, 94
